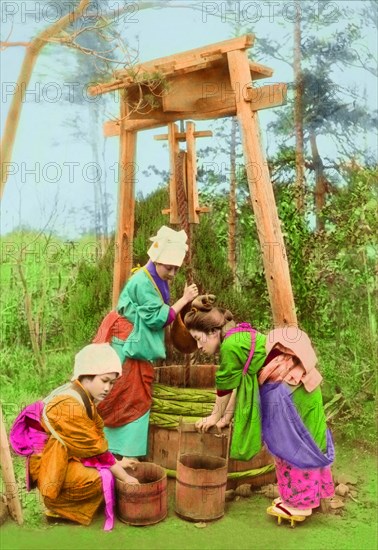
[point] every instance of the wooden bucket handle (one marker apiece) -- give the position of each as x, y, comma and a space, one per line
189, 427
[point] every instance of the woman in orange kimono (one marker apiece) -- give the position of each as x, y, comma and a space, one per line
74, 472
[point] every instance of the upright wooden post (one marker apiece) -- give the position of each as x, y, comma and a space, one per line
174, 217
188, 171
191, 174
123, 258
7, 472
262, 197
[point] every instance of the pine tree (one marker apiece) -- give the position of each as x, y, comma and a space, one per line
327, 109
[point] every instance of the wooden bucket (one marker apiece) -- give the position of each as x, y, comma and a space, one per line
180, 337
146, 503
164, 442
200, 487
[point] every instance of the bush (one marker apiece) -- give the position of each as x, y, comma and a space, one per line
88, 300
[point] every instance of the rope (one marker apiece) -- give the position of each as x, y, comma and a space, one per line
182, 207
170, 421
181, 408
170, 403
181, 195
236, 475
160, 391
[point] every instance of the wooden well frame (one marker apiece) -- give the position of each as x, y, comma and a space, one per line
210, 82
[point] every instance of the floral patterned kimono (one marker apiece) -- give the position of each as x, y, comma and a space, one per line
289, 419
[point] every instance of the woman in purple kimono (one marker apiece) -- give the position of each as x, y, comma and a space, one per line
271, 388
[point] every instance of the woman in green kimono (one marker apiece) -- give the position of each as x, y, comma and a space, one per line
270, 386
136, 332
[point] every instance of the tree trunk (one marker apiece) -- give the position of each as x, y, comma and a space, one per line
298, 116
320, 183
99, 195
232, 202
31, 55
7, 473
106, 205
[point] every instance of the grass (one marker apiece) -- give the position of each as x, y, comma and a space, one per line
244, 526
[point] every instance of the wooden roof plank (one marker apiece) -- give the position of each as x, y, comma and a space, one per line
179, 61
240, 43
259, 71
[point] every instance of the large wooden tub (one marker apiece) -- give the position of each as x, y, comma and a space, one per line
189, 394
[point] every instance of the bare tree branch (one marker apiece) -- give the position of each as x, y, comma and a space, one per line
32, 52
157, 4
5, 45
55, 34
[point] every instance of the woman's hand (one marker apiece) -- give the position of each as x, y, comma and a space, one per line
223, 410
131, 480
284, 363
205, 424
190, 292
129, 463
118, 471
222, 423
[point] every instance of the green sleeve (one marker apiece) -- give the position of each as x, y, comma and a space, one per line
234, 353
140, 299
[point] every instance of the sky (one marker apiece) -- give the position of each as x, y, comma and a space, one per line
52, 171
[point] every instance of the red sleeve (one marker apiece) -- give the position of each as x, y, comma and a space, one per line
104, 459
221, 393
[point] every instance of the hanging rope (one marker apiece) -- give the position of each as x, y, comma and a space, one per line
182, 207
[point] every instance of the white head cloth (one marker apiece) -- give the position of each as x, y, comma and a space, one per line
96, 359
168, 246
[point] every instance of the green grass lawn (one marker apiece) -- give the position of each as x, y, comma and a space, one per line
245, 524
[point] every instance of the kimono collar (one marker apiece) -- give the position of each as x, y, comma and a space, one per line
162, 285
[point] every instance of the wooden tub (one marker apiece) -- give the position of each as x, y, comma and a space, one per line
196, 396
